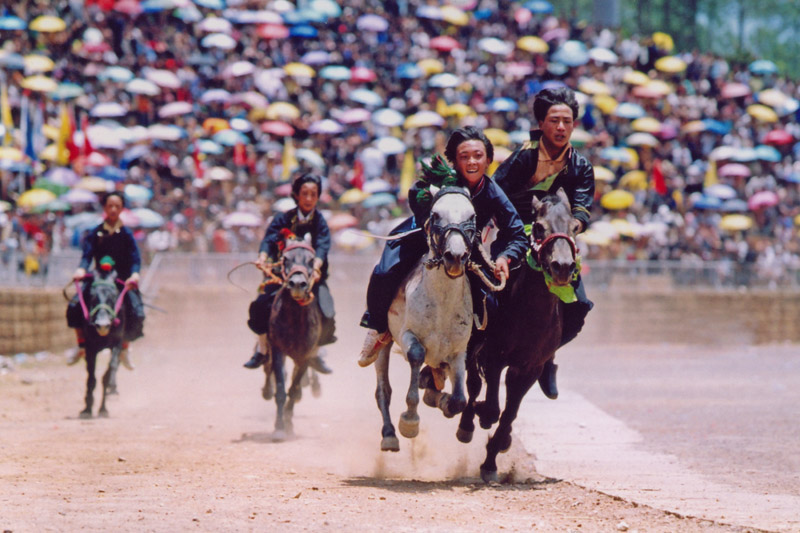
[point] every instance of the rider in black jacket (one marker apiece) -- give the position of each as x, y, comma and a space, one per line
542, 165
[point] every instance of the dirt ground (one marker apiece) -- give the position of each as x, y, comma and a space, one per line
188, 447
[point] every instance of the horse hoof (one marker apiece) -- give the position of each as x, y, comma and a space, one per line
488, 476
430, 397
464, 436
408, 426
266, 394
278, 435
390, 444
85, 414
102, 413
112, 391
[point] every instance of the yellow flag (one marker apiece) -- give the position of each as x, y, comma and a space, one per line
407, 174
711, 174
62, 152
289, 161
5, 111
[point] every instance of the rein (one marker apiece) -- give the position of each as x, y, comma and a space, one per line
117, 306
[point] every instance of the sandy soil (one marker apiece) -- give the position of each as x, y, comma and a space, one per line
188, 447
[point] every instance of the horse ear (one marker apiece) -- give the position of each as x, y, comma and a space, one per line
307, 238
434, 189
536, 204
563, 195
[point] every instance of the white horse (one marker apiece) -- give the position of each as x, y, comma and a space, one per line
431, 317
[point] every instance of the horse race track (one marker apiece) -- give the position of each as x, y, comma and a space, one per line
188, 446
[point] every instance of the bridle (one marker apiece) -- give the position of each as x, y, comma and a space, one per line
538, 246
298, 268
89, 314
437, 233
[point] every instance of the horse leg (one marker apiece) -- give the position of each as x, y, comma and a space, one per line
383, 397
91, 382
295, 394
488, 411
409, 419
516, 387
110, 379
280, 395
453, 403
268, 390
316, 388
466, 426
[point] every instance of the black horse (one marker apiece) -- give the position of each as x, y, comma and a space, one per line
295, 327
104, 326
526, 330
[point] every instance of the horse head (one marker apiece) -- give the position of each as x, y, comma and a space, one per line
553, 236
297, 265
451, 230
103, 296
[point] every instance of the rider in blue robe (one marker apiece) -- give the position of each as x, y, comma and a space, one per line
305, 219
399, 256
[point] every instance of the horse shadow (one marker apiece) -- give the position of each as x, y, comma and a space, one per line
473, 484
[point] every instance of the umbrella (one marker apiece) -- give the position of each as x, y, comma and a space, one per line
166, 132
502, 104
12, 61
242, 219
37, 63
341, 220
372, 22
282, 110
734, 205
62, 175
223, 41
238, 68
97, 159
284, 204
39, 83
634, 180
735, 222
80, 196
316, 57
303, 31
47, 24
50, 207
137, 194
299, 70
768, 153
701, 201
142, 86
352, 115
363, 75
652, 89
629, 110
95, 184
430, 66
516, 69
335, 72
215, 25
745, 155
353, 196
108, 110
444, 43
426, 11
541, 7
207, 146
147, 218
670, 64
715, 126
779, 137
603, 55
311, 157
592, 86
636, 77
444, 80
618, 154
533, 44
572, 54
230, 138
495, 46
251, 99
327, 7
735, 90
163, 78
721, 191
497, 136
116, 73
273, 31
215, 124
616, 200
734, 170
277, 127
762, 199
408, 71
12, 23
379, 200
454, 15
762, 113
66, 90
388, 117
641, 138
763, 67
10, 153
773, 98
646, 124
603, 174
459, 110
219, 174
326, 126
390, 145
423, 119
215, 96
174, 109
366, 97
663, 41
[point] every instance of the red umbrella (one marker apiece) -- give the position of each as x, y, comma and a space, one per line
778, 137
277, 127
129, 7
762, 199
273, 31
362, 74
444, 43
734, 90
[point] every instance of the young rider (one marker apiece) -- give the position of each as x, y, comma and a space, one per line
542, 165
305, 219
114, 240
471, 153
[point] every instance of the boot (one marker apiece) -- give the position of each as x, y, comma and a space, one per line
125, 359
256, 361
547, 381
372, 346
318, 363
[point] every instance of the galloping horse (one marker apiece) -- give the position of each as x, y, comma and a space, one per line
104, 325
295, 325
526, 331
431, 316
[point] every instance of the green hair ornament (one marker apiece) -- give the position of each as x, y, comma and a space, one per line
438, 174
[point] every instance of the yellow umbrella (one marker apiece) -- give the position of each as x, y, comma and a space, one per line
663, 41
47, 24
299, 70
641, 138
580, 137
431, 66
695, 126
762, 113
454, 15
282, 111
595, 238
459, 110
93, 183
646, 124
634, 180
497, 136
35, 197
353, 196
605, 103
670, 64
49, 153
772, 97
423, 119
636, 77
625, 227
617, 199
592, 86
39, 83
37, 63
51, 132
9, 153
603, 174
215, 124
533, 44
653, 88
735, 222
797, 220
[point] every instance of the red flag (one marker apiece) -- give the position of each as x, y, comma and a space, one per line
659, 185
198, 167
357, 180
87, 146
239, 155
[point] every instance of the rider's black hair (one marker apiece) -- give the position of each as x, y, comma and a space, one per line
306, 178
469, 133
109, 195
547, 98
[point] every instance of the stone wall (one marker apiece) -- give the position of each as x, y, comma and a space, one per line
32, 320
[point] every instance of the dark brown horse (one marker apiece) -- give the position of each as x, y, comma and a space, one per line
526, 330
295, 325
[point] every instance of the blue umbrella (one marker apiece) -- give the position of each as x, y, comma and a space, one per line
408, 71
211, 4
188, 14
132, 154
148, 218
156, 6
335, 72
303, 16
763, 67
745, 155
765, 152
366, 97
12, 23
15, 166
379, 199
629, 110
792, 178
715, 126
706, 202
572, 54
303, 31
316, 57
328, 7
112, 174
538, 6
230, 138
116, 73
137, 194
615, 153
207, 146
65, 91
502, 104
734, 205
12, 61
